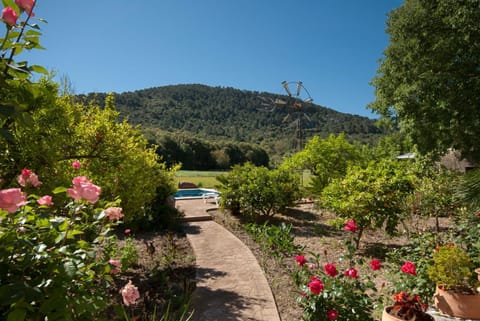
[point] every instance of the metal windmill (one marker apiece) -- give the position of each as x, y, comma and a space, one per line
296, 105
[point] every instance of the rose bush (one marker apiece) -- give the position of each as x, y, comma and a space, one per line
336, 291
50, 258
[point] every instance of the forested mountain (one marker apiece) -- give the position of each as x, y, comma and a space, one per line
222, 114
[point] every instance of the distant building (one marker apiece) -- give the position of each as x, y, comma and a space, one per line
451, 160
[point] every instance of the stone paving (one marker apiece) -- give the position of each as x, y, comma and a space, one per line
231, 285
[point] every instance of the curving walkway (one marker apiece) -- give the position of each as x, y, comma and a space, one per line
230, 283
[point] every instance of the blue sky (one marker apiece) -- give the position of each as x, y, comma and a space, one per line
333, 46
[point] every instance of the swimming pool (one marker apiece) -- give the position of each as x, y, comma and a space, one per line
195, 193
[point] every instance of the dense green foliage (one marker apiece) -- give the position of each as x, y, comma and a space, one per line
232, 115
326, 159
198, 154
257, 192
112, 153
429, 80
374, 196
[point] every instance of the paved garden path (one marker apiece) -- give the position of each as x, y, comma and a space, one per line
230, 283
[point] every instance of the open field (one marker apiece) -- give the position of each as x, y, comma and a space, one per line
205, 179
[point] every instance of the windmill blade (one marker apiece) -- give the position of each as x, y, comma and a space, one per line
306, 116
286, 118
285, 85
299, 88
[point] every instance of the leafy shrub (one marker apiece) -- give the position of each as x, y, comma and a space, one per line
375, 196
451, 268
277, 240
257, 192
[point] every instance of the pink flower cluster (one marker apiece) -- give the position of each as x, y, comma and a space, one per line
11, 199
116, 266
130, 293
114, 213
28, 178
409, 268
84, 189
10, 16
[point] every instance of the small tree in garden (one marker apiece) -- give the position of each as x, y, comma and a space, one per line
327, 159
373, 196
257, 191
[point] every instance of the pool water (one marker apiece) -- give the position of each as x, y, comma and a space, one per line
194, 193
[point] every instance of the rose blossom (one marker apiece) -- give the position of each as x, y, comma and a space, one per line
330, 269
9, 16
312, 266
11, 199
26, 5
332, 314
45, 200
315, 285
409, 268
130, 293
84, 189
28, 178
351, 273
375, 264
300, 259
127, 231
116, 266
76, 164
114, 213
351, 226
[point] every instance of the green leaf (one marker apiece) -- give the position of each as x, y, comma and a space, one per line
70, 269
39, 69
60, 237
17, 315
59, 190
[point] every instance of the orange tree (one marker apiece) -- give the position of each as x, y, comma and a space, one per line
374, 196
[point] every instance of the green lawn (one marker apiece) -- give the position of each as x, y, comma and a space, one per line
200, 178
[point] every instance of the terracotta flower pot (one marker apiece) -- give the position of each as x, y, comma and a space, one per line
466, 306
386, 316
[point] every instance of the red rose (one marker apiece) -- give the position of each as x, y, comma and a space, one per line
300, 259
409, 268
332, 314
351, 273
330, 269
375, 264
351, 226
315, 285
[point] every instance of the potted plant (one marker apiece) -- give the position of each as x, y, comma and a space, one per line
452, 272
406, 307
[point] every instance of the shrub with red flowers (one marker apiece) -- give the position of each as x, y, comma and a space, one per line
336, 291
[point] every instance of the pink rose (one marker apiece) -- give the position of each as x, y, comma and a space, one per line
332, 314
130, 293
351, 273
300, 259
351, 226
28, 178
127, 231
11, 199
45, 200
375, 264
312, 266
9, 16
76, 164
84, 189
315, 285
114, 213
26, 5
116, 266
330, 269
409, 268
